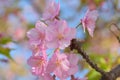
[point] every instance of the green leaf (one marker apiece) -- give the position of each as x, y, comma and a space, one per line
5, 40
93, 75
97, 2
5, 52
31, 26
104, 61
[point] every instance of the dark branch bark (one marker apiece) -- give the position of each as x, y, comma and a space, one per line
112, 75
116, 71
72, 77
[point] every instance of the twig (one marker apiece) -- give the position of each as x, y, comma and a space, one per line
78, 25
115, 26
118, 38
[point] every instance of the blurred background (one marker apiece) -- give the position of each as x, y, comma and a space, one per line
18, 16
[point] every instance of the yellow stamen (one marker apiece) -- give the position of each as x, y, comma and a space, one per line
60, 36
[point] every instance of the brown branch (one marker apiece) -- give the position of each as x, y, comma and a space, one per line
112, 75
115, 72
75, 45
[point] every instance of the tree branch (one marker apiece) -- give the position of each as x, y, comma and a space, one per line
115, 72
112, 75
76, 45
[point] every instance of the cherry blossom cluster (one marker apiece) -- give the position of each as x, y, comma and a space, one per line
54, 33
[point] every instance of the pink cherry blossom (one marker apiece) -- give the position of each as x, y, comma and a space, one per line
59, 65
37, 35
73, 60
47, 76
59, 35
89, 21
55, 33
38, 64
36, 49
51, 11
80, 79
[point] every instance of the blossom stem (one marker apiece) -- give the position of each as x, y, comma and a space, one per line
78, 25
72, 77
57, 18
54, 77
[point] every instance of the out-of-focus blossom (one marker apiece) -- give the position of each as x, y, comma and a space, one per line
59, 65
6, 3
91, 4
19, 34
59, 35
51, 11
1, 35
89, 21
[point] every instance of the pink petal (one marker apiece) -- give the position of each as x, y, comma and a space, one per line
89, 21
40, 26
64, 43
91, 30
52, 44
35, 60
60, 73
62, 26
73, 58
70, 33
50, 68
73, 69
51, 11
33, 34
48, 77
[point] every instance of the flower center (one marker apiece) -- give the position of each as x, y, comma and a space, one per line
42, 36
60, 36
40, 62
58, 63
